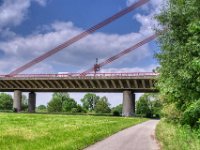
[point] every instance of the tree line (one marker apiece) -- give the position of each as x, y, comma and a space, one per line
62, 102
147, 106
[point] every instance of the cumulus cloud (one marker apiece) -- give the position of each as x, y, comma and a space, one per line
41, 2
13, 12
82, 53
147, 19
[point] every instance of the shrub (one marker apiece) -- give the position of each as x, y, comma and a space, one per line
192, 114
171, 113
116, 113
74, 110
6, 101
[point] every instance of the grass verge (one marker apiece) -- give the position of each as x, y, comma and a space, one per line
57, 132
177, 137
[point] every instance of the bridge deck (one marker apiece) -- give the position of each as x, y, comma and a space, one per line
117, 82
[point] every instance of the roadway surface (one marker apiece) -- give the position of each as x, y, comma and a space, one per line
139, 137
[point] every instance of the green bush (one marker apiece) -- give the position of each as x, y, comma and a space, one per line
74, 110
192, 114
6, 101
171, 113
173, 136
116, 113
117, 110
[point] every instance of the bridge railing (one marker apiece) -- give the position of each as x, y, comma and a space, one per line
78, 75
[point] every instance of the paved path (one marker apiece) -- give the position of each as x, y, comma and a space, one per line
139, 137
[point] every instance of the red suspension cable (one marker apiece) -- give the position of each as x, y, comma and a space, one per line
78, 37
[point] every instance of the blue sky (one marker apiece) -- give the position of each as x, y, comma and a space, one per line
28, 28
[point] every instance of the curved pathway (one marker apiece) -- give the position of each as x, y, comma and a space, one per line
138, 137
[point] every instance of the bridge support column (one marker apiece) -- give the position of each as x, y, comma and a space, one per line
128, 104
17, 101
31, 102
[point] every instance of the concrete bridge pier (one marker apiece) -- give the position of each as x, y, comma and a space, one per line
17, 101
31, 102
128, 104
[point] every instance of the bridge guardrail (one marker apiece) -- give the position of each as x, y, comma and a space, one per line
77, 75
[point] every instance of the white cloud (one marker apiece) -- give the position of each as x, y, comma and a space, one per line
41, 2
13, 12
82, 53
147, 21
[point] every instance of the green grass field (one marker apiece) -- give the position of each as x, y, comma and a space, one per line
177, 137
57, 132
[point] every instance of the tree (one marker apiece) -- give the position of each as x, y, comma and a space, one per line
69, 104
179, 56
24, 103
102, 106
6, 101
149, 105
55, 105
144, 106
61, 102
89, 101
42, 108
179, 78
157, 105
117, 111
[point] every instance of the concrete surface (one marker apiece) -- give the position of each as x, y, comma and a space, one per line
139, 137
128, 104
17, 101
31, 102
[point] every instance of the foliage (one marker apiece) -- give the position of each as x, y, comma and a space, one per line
80, 109
42, 108
157, 106
171, 112
61, 102
24, 106
6, 101
176, 137
179, 58
89, 101
144, 106
149, 105
57, 132
117, 111
69, 104
74, 110
191, 115
102, 105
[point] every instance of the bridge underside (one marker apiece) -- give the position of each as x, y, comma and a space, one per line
78, 85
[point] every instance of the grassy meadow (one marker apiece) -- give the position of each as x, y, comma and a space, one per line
57, 132
177, 137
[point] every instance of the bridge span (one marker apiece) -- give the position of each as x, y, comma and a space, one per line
127, 83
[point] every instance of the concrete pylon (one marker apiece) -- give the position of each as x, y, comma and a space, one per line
128, 104
17, 101
31, 102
